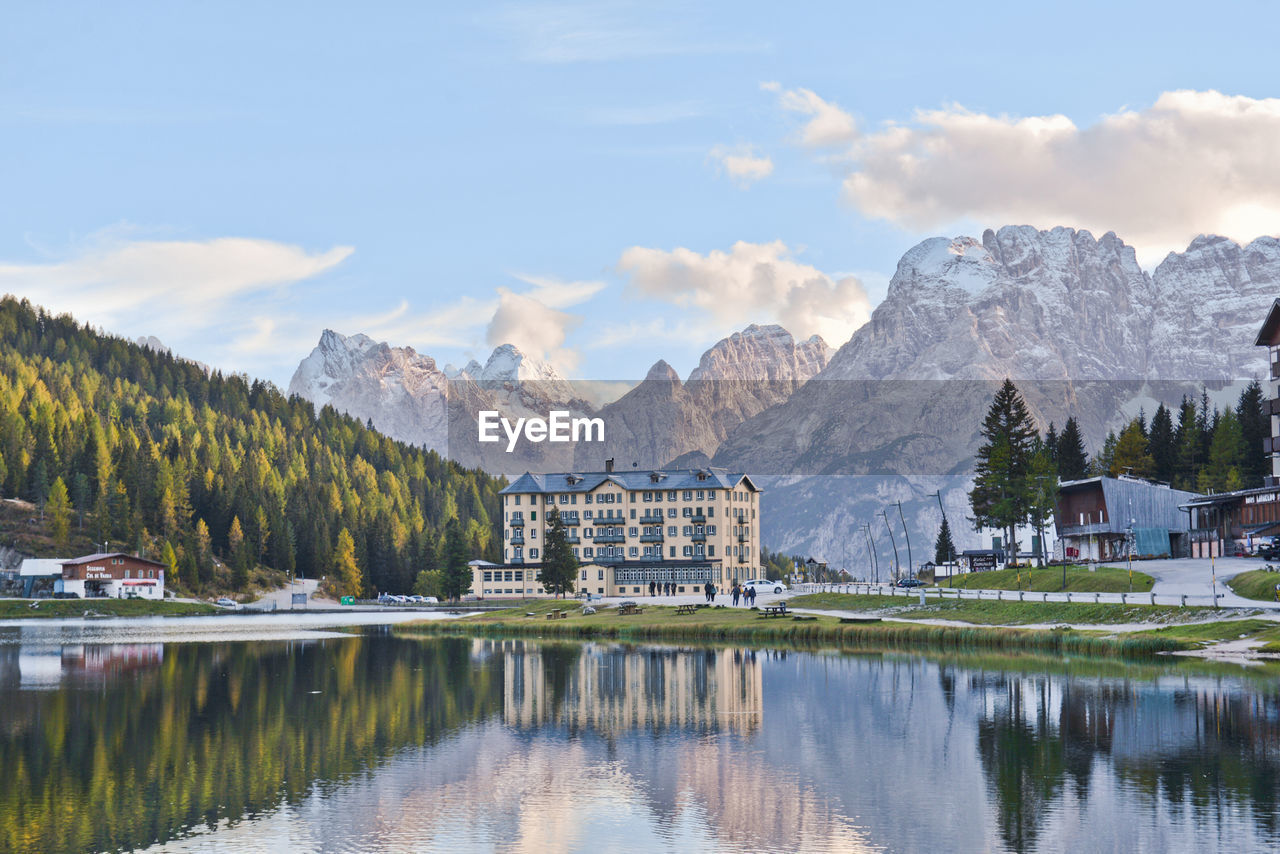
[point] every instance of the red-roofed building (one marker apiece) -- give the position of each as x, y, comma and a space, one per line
115, 575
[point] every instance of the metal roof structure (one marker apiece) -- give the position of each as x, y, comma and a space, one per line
571, 482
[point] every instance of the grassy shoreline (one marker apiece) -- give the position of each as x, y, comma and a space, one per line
20, 609
661, 623
1003, 612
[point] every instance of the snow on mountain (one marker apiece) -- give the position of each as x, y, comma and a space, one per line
402, 392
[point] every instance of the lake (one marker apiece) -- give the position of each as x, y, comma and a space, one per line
147, 739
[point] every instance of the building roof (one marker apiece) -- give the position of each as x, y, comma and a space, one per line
703, 478
1227, 497
1269, 334
41, 566
93, 558
1150, 505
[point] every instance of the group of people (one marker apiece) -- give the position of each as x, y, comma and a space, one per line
739, 593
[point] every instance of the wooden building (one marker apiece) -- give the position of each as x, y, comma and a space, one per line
1097, 517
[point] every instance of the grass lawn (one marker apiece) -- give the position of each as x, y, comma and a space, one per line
21, 608
1207, 634
721, 624
990, 612
1256, 584
1104, 579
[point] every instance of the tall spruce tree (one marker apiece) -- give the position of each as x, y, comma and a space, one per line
1255, 426
1000, 494
1073, 460
457, 574
559, 566
1188, 440
1163, 445
944, 548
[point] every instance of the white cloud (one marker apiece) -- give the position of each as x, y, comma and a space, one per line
536, 329
742, 164
828, 124
1191, 163
170, 288
752, 282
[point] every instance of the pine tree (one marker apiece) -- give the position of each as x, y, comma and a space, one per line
1255, 426
1073, 460
1187, 437
59, 513
1226, 456
944, 548
559, 566
1000, 493
457, 574
1102, 464
1163, 445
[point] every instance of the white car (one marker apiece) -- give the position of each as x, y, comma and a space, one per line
764, 585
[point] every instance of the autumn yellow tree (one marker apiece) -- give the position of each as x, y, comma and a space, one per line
59, 513
346, 572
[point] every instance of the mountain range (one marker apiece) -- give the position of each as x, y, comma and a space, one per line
890, 416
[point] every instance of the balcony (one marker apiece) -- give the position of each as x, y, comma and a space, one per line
608, 538
516, 522
651, 538
698, 519
517, 560
609, 559
651, 519
699, 536
517, 539
570, 519
572, 539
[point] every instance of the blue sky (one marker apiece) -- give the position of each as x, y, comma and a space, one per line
233, 178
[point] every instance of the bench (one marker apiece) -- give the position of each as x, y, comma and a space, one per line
687, 609
775, 610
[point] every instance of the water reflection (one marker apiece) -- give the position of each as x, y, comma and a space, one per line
375, 743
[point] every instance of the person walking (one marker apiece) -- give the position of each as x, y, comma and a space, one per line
706, 591
713, 592
736, 592
653, 589
751, 593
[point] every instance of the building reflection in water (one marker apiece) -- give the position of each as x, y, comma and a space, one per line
610, 689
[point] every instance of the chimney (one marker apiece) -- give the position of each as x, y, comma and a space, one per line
608, 464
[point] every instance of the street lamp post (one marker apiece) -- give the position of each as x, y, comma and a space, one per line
897, 562
952, 552
911, 567
871, 546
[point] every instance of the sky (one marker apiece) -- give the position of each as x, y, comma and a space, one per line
602, 184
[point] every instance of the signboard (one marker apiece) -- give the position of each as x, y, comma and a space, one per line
982, 563
345, 600
299, 599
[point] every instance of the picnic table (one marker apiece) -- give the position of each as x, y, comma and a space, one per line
779, 610
629, 608
557, 614
687, 609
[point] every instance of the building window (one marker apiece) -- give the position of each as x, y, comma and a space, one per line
533, 553
711, 530
599, 575
701, 494
589, 498
711, 550
688, 551
632, 531
688, 511
688, 530
673, 551
588, 552
517, 500
633, 552
687, 495
671, 495
648, 497
584, 575
488, 576
698, 550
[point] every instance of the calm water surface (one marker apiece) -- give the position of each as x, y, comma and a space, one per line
331, 743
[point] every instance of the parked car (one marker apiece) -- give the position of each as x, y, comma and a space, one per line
429, 600
224, 602
66, 594
910, 582
1268, 551
764, 585
415, 599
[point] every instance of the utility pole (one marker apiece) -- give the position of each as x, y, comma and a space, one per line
911, 567
897, 562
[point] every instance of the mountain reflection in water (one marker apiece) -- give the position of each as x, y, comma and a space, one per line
378, 743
